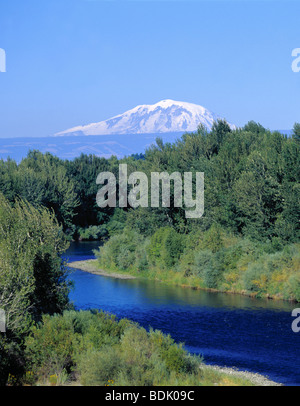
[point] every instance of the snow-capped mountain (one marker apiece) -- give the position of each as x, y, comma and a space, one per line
165, 116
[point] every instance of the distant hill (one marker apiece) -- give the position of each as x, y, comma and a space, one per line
69, 147
123, 135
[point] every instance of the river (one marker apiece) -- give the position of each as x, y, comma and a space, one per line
227, 330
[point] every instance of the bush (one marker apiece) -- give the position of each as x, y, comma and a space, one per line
255, 279
292, 287
142, 262
95, 329
165, 247
99, 367
173, 247
213, 239
33, 278
137, 354
275, 274
210, 267
120, 250
49, 348
117, 222
102, 351
174, 355
150, 358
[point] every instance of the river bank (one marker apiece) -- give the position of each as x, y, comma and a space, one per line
91, 265
254, 378
231, 375
221, 375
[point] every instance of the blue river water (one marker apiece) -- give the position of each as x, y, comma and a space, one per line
227, 330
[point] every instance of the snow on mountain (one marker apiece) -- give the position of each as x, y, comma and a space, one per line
163, 117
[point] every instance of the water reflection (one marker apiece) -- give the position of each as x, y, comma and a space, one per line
159, 294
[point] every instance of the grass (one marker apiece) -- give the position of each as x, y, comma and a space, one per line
207, 377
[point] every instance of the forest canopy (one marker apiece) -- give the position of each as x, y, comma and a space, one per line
251, 185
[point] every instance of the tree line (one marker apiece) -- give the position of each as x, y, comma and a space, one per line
251, 184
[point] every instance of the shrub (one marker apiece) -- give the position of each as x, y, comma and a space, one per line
292, 287
213, 239
97, 367
210, 267
255, 279
174, 355
275, 273
95, 329
165, 247
173, 247
102, 351
120, 250
49, 347
152, 357
142, 262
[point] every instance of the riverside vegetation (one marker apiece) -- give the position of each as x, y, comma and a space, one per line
48, 343
212, 260
247, 242
248, 239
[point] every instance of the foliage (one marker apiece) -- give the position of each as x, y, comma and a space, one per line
246, 241
252, 199
213, 259
93, 233
122, 251
251, 184
166, 246
32, 274
296, 131
97, 349
50, 348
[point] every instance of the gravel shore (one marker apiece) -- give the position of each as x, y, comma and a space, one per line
256, 379
90, 265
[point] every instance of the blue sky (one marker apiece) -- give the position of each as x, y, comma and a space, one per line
72, 62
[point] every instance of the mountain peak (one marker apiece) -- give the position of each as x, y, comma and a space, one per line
162, 117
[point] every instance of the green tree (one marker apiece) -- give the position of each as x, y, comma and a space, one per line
254, 127
296, 131
84, 170
8, 171
220, 129
43, 180
32, 276
257, 198
166, 246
